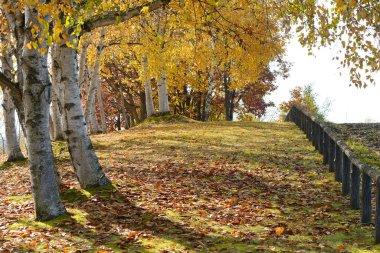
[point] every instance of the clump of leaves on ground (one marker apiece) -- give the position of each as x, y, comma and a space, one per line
218, 187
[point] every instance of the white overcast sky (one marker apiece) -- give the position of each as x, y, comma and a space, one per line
349, 104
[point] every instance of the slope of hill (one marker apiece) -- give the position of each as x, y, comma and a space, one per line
218, 187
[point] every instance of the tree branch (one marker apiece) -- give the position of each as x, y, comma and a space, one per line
113, 17
14, 88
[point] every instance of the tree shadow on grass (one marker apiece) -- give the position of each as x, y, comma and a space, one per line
111, 219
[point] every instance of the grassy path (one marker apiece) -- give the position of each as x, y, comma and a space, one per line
194, 187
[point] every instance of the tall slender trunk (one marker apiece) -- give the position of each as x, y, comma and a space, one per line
199, 106
123, 109
83, 157
94, 123
211, 80
101, 109
37, 96
163, 96
143, 113
163, 99
57, 93
133, 109
148, 88
229, 98
16, 23
13, 147
83, 65
207, 107
90, 112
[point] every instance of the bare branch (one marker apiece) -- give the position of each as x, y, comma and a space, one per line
113, 17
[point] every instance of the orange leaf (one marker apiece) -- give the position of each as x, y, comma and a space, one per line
33, 244
341, 248
279, 230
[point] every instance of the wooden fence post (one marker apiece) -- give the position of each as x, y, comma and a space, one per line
331, 155
346, 175
366, 198
338, 163
321, 140
355, 187
325, 148
377, 214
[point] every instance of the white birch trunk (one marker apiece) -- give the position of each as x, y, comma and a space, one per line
211, 80
83, 157
148, 88
15, 19
82, 66
57, 93
90, 112
37, 96
163, 97
13, 147
209, 95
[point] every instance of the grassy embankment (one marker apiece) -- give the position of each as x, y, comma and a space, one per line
185, 186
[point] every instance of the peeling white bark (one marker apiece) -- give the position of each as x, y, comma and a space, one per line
57, 95
37, 96
83, 157
211, 81
13, 147
163, 97
90, 111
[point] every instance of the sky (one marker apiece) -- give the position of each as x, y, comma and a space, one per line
348, 103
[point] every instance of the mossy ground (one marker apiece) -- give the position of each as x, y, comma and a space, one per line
178, 187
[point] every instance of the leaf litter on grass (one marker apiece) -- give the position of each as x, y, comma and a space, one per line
217, 187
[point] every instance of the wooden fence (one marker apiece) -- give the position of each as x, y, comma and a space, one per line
349, 170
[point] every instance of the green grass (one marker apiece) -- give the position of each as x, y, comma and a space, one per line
166, 118
365, 155
199, 187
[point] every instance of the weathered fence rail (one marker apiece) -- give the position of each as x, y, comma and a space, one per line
349, 170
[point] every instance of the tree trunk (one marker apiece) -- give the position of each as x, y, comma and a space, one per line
94, 123
16, 23
148, 88
13, 147
101, 110
90, 112
199, 106
211, 80
123, 109
57, 93
36, 96
207, 106
143, 112
118, 122
229, 98
83, 157
132, 109
83, 65
163, 99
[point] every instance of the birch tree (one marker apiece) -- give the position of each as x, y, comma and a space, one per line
57, 94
